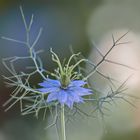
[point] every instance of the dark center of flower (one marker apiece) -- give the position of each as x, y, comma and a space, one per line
65, 81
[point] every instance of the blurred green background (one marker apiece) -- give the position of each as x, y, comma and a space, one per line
76, 23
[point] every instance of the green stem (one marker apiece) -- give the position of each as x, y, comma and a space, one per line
63, 132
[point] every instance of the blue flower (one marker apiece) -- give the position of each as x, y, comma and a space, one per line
71, 94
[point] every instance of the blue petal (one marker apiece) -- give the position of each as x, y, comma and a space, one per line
68, 96
48, 90
71, 100
50, 83
52, 96
74, 97
77, 83
62, 96
70, 103
81, 91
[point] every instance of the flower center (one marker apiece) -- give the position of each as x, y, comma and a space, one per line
65, 81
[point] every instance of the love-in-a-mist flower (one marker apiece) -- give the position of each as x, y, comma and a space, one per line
69, 95
67, 87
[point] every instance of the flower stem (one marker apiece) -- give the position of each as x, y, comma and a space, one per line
63, 132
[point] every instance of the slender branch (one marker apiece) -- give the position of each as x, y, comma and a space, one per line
63, 131
104, 56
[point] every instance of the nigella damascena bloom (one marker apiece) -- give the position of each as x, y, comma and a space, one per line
69, 95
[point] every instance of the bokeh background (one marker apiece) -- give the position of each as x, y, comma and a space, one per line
76, 23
